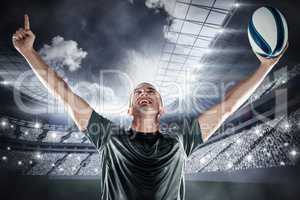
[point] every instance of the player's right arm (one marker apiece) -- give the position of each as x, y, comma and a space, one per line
78, 109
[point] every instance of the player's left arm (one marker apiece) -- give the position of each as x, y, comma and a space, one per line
212, 119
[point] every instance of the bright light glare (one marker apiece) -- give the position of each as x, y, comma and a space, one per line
38, 156
293, 152
54, 135
37, 125
4, 82
3, 123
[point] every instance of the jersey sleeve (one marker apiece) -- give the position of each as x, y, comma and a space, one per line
190, 134
98, 130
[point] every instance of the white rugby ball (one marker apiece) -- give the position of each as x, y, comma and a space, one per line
268, 32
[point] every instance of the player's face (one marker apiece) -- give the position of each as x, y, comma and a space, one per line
146, 99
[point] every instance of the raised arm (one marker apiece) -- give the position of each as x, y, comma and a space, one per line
77, 108
212, 119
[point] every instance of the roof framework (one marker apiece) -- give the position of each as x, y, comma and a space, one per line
196, 25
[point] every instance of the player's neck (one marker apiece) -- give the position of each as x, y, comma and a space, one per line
145, 125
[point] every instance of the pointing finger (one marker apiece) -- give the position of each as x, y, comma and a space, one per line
26, 22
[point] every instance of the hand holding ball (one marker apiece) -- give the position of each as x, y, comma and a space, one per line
268, 32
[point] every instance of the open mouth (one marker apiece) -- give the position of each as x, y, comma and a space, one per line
144, 101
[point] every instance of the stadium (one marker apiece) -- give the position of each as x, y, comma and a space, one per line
202, 45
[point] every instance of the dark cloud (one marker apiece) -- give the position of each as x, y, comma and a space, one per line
105, 29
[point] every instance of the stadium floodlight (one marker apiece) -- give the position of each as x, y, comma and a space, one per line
229, 165
236, 5
4, 82
38, 155
293, 152
37, 125
286, 125
3, 123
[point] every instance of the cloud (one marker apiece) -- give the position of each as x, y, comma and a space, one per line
154, 4
63, 52
168, 5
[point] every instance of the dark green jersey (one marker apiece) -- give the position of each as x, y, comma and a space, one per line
143, 166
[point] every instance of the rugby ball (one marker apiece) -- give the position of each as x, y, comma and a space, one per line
267, 32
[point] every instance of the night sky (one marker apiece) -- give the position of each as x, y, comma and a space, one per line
107, 30
107, 27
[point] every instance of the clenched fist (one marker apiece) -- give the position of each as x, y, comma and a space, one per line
23, 39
